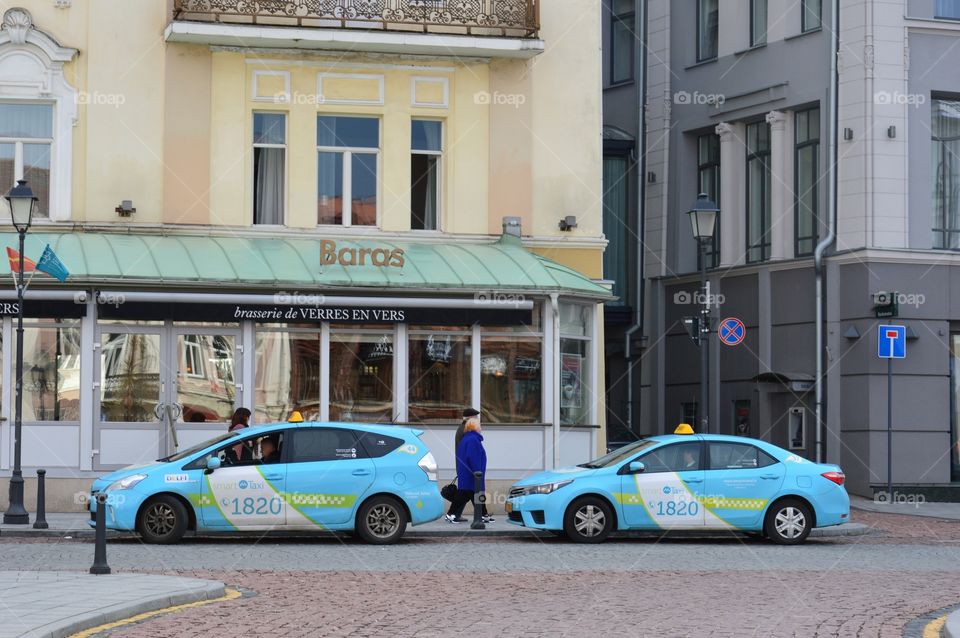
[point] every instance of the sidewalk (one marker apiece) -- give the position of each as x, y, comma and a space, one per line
55, 604
947, 511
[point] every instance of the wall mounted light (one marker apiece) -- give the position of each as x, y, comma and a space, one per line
891, 132
568, 223
848, 134
125, 209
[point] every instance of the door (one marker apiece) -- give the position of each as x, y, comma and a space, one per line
667, 493
740, 479
161, 388
328, 475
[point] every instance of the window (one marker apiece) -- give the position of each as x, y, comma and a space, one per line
621, 41
51, 372
758, 192
440, 366
324, 444
576, 389
678, 457
949, 9
811, 15
616, 208
26, 139
511, 389
708, 181
361, 377
707, 29
377, 445
269, 167
426, 150
191, 361
347, 170
945, 131
130, 373
737, 456
287, 375
758, 22
807, 177
688, 413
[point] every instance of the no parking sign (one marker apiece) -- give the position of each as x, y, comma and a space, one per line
732, 332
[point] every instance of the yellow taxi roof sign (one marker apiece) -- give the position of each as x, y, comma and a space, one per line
295, 417
683, 428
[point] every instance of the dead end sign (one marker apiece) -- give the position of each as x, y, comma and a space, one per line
732, 332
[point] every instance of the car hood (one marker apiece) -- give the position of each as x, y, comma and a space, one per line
107, 479
557, 475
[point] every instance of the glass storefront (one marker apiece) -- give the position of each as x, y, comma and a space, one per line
51, 371
129, 376
439, 369
361, 377
576, 386
287, 375
511, 390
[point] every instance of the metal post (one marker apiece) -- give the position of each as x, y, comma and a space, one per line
100, 541
41, 520
704, 342
890, 430
16, 513
479, 498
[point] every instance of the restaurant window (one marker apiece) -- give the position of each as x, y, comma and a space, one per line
26, 139
347, 170
622, 41
439, 375
287, 375
130, 376
269, 167
758, 22
945, 143
426, 151
812, 15
708, 181
758, 192
511, 389
947, 9
576, 388
807, 176
361, 377
51, 371
708, 12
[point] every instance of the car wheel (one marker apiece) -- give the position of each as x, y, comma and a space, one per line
163, 520
788, 522
588, 520
381, 521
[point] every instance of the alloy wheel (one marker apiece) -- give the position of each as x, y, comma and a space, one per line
383, 520
589, 521
790, 522
160, 519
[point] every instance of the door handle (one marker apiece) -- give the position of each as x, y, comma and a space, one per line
693, 480
273, 477
361, 472
769, 477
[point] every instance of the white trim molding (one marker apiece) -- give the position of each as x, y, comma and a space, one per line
283, 98
369, 77
417, 102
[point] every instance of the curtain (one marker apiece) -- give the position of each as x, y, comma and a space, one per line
268, 186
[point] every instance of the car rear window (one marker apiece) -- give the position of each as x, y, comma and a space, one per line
324, 444
377, 445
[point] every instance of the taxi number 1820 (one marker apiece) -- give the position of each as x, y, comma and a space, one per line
254, 506
677, 508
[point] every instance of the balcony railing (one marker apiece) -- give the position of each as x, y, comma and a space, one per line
504, 18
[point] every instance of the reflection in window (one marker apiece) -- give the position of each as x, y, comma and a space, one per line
439, 377
287, 376
348, 154
51, 373
205, 384
129, 377
758, 192
27, 134
576, 391
807, 198
947, 9
361, 378
510, 380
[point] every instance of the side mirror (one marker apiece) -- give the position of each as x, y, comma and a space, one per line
213, 463
637, 467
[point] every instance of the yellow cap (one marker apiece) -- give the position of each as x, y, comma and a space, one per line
683, 428
296, 417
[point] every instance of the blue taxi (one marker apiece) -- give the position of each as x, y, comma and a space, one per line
368, 479
685, 481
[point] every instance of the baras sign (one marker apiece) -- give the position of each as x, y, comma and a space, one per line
385, 257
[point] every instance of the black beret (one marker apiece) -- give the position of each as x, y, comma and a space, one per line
469, 412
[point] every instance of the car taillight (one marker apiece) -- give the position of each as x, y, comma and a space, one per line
836, 477
429, 465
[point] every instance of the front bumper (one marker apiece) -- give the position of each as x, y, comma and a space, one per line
121, 509
537, 511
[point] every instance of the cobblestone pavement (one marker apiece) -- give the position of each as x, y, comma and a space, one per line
859, 586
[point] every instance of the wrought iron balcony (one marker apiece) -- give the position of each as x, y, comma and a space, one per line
503, 18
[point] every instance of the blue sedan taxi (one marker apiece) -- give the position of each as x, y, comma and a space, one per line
369, 479
685, 481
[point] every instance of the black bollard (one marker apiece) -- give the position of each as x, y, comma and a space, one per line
100, 543
41, 522
479, 498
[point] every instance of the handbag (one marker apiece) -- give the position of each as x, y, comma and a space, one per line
450, 490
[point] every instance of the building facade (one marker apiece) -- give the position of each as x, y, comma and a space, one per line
746, 104
355, 215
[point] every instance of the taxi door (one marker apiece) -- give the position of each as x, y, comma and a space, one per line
741, 480
248, 496
667, 493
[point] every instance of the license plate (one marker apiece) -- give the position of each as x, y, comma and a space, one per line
509, 507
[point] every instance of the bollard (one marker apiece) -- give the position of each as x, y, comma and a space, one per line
100, 543
41, 522
479, 498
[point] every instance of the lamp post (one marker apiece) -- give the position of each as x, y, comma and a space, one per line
703, 219
23, 204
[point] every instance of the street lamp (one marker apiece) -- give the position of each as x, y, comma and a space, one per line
703, 220
23, 204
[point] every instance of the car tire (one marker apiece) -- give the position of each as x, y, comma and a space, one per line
381, 520
788, 522
588, 520
162, 520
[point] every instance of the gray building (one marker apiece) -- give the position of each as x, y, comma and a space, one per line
857, 153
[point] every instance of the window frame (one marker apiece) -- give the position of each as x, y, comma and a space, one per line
815, 187
347, 171
713, 248
761, 40
943, 236
763, 156
286, 167
18, 162
708, 466
628, 19
699, 33
937, 15
440, 168
807, 28
700, 459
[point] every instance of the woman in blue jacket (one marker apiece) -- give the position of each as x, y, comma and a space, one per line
471, 457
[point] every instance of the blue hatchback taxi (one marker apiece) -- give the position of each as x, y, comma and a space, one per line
368, 479
685, 481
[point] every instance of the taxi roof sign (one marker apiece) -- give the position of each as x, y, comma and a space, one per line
683, 428
295, 417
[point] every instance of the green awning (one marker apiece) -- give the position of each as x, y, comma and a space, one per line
275, 263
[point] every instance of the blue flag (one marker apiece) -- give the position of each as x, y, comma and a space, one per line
51, 264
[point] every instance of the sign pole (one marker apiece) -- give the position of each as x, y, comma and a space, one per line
890, 429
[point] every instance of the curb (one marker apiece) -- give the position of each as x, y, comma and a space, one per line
952, 627
205, 590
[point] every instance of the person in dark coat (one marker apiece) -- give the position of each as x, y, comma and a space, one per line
468, 414
471, 457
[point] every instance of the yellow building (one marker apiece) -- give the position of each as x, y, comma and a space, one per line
384, 215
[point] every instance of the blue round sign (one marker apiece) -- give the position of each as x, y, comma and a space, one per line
732, 332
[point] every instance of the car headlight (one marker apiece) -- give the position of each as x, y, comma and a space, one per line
545, 488
126, 483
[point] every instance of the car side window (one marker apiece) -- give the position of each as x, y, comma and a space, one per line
737, 456
251, 452
324, 444
678, 457
377, 445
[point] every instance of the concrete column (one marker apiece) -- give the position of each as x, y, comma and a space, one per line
781, 187
732, 158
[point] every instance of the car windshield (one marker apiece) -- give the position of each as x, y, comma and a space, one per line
199, 446
619, 455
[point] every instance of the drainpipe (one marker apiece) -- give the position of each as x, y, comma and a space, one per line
831, 217
639, 157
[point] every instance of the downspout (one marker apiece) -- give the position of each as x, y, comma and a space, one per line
639, 157
831, 217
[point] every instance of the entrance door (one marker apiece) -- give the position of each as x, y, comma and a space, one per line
161, 388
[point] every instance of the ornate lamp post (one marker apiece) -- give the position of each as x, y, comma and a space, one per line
703, 220
23, 204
